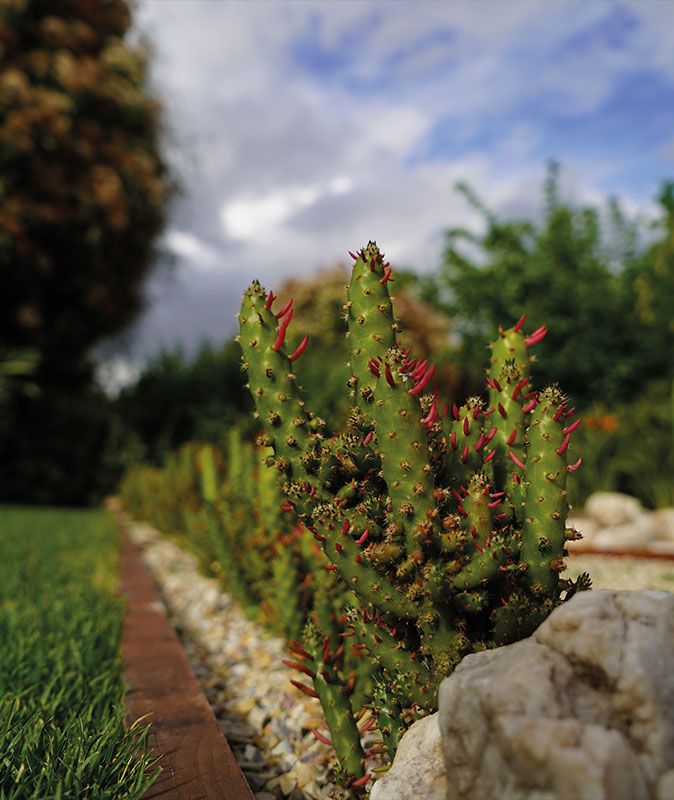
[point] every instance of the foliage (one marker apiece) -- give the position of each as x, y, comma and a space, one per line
630, 448
448, 529
601, 296
177, 400
82, 196
56, 448
83, 186
62, 729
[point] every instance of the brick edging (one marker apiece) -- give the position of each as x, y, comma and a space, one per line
197, 762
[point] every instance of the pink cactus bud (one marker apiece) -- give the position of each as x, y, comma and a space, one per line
490, 435
423, 382
455, 412
363, 538
283, 327
571, 428
419, 369
517, 390
318, 735
367, 725
530, 406
536, 336
489, 457
302, 346
516, 461
518, 325
386, 276
353, 256
511, 439
502, 411
574, 467
563, 447
466, 426
480, 443
299, 667
465, 454
270, 300
286, 308
368, 438
304, 688
389, 375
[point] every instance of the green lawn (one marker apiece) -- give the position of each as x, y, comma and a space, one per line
61, 689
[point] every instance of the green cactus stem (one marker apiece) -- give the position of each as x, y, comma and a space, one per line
545, 504
369, 312
444, 525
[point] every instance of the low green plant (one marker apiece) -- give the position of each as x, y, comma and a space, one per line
62, 731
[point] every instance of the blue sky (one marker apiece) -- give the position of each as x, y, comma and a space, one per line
300, 129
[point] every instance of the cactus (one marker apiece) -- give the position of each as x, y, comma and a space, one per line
448, 527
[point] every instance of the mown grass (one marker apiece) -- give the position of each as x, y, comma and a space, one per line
61, 691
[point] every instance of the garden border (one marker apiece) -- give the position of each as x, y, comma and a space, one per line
196, 760
642, 554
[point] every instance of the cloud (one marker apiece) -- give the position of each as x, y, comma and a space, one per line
301, 130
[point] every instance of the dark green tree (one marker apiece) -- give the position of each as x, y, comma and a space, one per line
573, 274
179, 399
83, 190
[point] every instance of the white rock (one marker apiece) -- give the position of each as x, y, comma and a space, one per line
583, 709
664, 547
663, 524
635, 535
613, 508
418, 770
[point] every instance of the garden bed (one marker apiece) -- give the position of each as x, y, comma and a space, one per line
195, 758
267, 722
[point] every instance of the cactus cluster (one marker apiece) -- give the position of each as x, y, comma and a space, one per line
445, 523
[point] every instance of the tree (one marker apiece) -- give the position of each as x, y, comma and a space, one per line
82, 193
83, 185
565, 272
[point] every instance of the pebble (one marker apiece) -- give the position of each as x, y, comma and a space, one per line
266, 721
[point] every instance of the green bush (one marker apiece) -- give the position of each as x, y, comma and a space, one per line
605, 298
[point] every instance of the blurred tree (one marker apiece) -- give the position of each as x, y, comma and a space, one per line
178, 399
82, 195
651, 283
566, 273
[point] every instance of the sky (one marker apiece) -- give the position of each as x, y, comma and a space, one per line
300, 129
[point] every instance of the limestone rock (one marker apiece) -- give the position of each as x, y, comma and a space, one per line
635, 535
613, 508
663, 524
583, 709
418, 770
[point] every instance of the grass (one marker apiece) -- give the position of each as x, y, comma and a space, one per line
62, 731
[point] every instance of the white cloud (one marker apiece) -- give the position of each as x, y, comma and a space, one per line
190, 248
253, 217
285, 168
